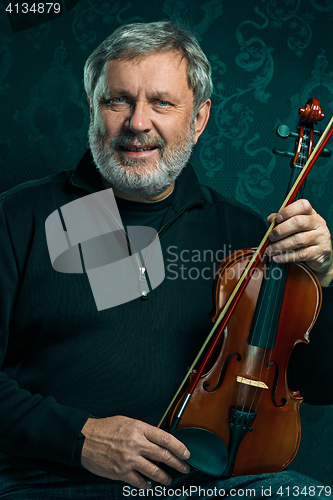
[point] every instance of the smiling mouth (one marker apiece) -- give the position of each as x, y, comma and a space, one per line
134, 149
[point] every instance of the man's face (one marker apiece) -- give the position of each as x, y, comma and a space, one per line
142, 128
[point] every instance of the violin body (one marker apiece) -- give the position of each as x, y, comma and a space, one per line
252, 378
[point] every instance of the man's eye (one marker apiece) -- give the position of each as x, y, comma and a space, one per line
163, 104
118, 100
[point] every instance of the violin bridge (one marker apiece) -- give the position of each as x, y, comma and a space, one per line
254, 383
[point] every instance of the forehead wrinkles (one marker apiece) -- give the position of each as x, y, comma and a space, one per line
168, 75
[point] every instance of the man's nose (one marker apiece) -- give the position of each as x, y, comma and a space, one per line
139, 121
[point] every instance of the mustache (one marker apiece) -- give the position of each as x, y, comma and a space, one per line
144, 139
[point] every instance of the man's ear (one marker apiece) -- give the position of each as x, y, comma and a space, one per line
201, 119
91, 109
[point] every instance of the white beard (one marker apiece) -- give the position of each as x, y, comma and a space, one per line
128, 179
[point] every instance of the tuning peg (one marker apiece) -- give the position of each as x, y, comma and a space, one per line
283, 153
327, 153
284, 131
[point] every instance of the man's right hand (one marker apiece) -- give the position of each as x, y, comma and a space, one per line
125, 449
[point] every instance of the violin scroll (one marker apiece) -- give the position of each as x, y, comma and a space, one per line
312, 112
309, 116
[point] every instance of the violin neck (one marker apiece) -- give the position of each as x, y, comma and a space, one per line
302, 151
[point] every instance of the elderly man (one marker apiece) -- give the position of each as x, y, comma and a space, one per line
82, 391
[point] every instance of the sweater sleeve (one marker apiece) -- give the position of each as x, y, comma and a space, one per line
31, 426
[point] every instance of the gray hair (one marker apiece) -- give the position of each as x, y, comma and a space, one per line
141, 39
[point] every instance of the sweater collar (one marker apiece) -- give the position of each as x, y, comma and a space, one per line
187, 190
86, 175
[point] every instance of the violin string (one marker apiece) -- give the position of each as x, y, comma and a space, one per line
241, 389
261, 352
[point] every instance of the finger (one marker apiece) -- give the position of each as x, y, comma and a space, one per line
312, 255
167, 441
309, 255
159, 454
137, 480
299, 207
293, 242
153, 471
270, 218
299, 224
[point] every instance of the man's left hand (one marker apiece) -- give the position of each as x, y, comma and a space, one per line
302, 235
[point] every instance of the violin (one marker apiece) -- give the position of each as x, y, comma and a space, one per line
235, 412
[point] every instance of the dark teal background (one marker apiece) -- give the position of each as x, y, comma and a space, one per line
267, 57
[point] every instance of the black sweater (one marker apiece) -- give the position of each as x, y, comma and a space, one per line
62, 360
